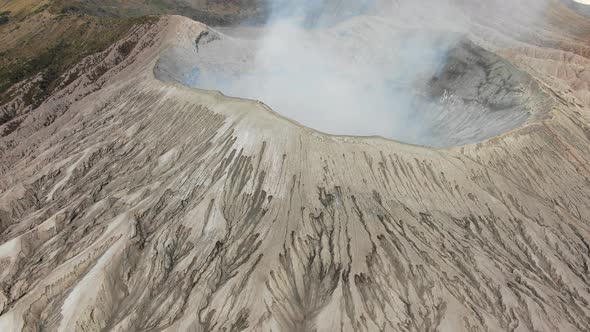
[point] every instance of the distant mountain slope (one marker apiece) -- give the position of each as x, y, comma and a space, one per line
37, 49
218, 12
41, 39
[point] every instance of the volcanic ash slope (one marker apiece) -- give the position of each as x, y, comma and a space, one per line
132, 204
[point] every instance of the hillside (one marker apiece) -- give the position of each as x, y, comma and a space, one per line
132, 201
39, 47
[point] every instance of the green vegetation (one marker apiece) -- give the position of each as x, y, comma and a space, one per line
41, 9
224, 12
44, 39
60, 44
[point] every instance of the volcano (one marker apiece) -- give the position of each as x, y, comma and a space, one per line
136, 197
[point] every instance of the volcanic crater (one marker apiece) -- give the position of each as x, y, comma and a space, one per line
454, 93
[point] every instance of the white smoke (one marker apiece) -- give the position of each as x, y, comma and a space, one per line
346, 67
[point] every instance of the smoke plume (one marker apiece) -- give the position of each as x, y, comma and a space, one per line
345, 67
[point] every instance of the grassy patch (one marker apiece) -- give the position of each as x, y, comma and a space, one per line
224, 12
41, 9
54, 48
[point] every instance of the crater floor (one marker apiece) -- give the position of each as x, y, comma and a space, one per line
365, 77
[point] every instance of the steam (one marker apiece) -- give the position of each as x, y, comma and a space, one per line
341, 67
